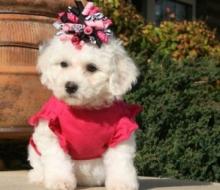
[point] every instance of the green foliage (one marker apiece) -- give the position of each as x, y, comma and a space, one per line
102, 3
128, 24
177, 40
180, 125
179, 88
181, 40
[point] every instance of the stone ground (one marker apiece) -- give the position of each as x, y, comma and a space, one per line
17, 180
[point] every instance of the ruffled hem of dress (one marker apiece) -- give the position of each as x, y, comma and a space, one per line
125, 129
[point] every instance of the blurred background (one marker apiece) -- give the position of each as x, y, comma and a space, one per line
175, 43
159, 10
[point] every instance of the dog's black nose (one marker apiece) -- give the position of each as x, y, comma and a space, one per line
71, 87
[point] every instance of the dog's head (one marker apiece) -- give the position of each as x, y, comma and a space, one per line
89, 76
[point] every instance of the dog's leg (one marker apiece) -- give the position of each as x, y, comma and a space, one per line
58, 166
120, 170
90, 172
36, 175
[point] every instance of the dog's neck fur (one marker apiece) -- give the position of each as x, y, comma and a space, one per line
97, 103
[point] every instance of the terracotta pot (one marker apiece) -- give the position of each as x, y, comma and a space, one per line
24, 24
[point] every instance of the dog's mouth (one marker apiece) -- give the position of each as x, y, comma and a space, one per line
71, 99
75, 100
67, 96
71, 96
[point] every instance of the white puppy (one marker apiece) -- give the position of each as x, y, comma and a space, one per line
88, 78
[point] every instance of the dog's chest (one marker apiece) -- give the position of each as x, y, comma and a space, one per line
87, 133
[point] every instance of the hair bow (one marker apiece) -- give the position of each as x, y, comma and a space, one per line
84, 25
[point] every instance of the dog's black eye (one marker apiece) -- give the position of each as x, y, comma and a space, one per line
64, 64
91, 68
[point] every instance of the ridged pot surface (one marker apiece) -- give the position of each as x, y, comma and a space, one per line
24, 24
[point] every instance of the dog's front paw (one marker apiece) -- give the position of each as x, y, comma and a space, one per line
35, 176
60, 182
117, 185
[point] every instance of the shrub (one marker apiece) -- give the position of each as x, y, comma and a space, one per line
180, 125
181, 40
128, 24
177, 40
179, 88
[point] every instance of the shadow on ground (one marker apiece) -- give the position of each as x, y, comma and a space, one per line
155, 183
152, 183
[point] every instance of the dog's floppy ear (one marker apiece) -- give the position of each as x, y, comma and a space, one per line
125, 73
42, 64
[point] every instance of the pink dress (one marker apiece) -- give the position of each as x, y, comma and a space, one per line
86, 134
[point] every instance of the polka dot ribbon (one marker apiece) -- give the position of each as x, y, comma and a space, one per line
83, 25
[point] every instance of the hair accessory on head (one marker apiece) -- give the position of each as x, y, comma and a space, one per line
83, 25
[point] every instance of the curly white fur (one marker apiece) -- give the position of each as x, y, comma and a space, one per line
115, 76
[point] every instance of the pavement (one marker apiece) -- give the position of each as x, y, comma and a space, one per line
17, 180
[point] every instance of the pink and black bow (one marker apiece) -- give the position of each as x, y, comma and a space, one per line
84, 25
